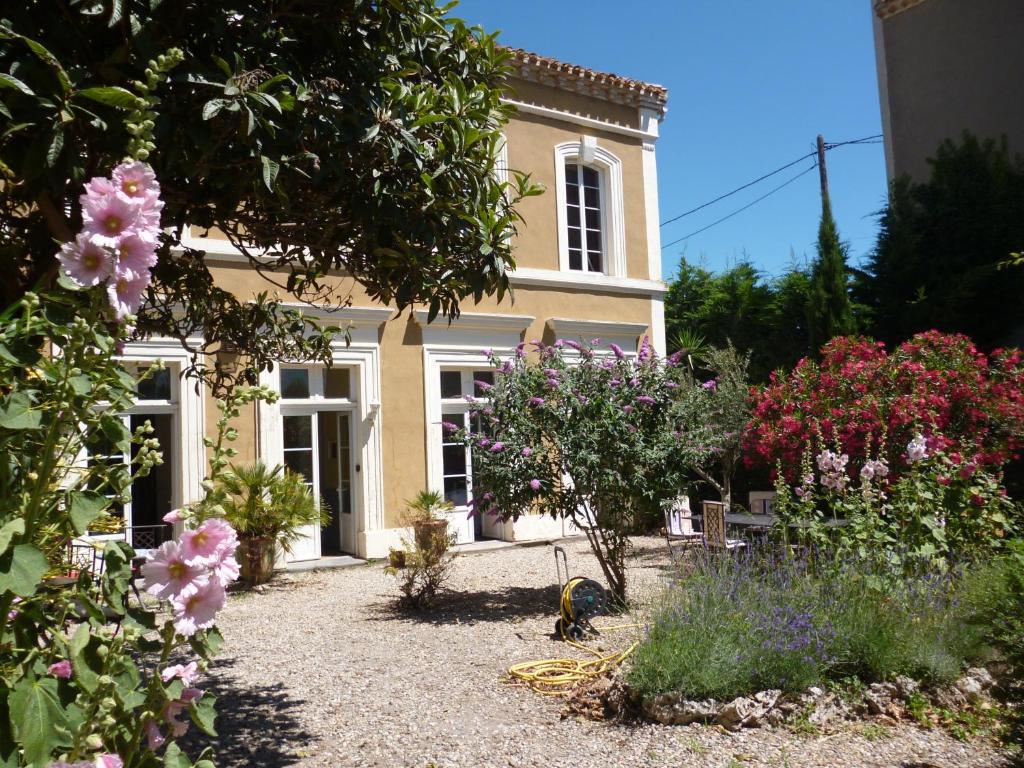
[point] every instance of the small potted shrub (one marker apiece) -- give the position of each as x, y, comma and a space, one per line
267, 506
426, 562
426, 515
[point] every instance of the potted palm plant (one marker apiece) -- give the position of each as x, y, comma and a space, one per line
267, 506
427, 516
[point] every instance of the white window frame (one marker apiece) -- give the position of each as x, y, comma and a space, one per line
588, 153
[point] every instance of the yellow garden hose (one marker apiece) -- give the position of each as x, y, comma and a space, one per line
557, 677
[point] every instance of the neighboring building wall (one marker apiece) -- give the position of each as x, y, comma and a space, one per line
945, 67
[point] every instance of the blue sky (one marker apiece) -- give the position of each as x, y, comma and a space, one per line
751, 84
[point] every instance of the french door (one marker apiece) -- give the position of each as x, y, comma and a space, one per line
316, 443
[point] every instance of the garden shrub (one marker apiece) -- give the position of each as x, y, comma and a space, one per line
869, 404
597, 437
738, 625
996, 599
943, 506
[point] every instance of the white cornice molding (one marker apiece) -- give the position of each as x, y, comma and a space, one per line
604, 329
475, 321
586, 281
357, 317
586, 122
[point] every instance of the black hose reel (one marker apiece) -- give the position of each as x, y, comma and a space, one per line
580, 599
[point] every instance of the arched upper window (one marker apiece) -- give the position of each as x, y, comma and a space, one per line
591, 235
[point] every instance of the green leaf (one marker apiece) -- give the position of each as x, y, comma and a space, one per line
38, 718
203, 713
110, 95
17, 413
10, 81
21, 569
212, 107
85, 659
175, 758
85, 507
11, 529
55, 147
270, 169
8, 748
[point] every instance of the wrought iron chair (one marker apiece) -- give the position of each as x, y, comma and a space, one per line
714, 528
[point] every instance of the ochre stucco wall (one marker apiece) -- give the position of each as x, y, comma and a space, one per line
402, 415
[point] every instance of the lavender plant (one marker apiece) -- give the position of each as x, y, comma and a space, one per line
737, 625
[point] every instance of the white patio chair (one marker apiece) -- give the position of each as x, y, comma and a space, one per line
679, 524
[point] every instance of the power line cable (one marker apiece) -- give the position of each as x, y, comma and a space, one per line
833, 145
745, 207
739, 189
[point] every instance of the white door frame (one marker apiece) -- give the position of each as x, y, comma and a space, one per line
363, 356
187, 407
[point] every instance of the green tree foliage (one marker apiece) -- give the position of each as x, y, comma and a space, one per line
359, 136
937, 261
829, 312
765, 317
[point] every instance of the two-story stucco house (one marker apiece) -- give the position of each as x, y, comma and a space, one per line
366, 433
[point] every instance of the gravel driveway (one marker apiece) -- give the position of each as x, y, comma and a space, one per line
323, 670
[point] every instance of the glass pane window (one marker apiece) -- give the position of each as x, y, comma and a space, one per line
156, 386
451, 384
298, 445
482, 377
337, 383
295, 383
455, 464
584, 218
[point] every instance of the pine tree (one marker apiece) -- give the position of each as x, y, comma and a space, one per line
829, 312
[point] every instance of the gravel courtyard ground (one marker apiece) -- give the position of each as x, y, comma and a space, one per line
323, 670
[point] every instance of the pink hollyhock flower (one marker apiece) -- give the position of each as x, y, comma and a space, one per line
917, 449
107, 216
137, 181
172, 710
126, 293
172, 517
154, 738
186, 673
198, 609
61, 669
207, 544
226, 570
86, 262
136, 255
168, 575
535, 484
109, 760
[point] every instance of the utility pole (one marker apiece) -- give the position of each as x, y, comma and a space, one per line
823, 173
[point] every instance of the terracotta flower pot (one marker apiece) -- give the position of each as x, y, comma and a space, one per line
256, 558
396, 558
430, 534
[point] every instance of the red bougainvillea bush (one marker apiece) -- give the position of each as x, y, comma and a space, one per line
868, 403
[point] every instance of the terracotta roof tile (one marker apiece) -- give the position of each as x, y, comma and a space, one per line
622, 90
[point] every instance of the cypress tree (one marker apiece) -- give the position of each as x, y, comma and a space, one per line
829, 312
